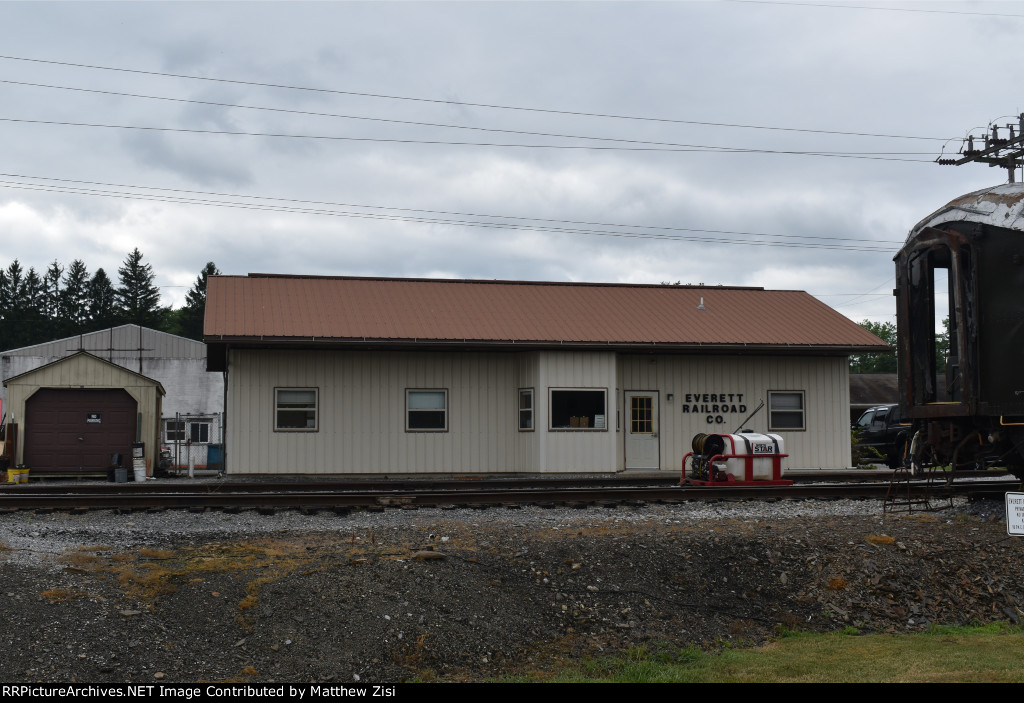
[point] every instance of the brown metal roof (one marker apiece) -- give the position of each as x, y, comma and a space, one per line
868, 389
291, 309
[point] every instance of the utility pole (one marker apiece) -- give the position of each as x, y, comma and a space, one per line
1004, 152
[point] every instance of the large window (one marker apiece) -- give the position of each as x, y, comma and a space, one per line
193, 430
579, 408
525, 409
786, 410
426, 410
295, 409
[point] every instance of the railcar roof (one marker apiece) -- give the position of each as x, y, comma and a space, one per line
1000, 206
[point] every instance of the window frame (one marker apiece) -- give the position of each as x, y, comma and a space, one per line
409, 392
315, 409
527, 393
646, 419
179, 433
196, 427
802, 412
569, 389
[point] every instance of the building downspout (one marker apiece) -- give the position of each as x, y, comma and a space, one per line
224, 413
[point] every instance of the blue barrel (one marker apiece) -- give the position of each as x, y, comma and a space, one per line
215, 456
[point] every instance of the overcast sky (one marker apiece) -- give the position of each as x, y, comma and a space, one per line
382, 197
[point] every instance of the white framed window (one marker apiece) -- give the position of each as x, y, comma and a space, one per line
526, 410
426, 410
174, 430
192, 430
296, 409
578, 408
199, 431
786, 410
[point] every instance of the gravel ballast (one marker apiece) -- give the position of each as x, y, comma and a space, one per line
462, 594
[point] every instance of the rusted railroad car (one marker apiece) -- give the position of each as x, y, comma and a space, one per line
964, 263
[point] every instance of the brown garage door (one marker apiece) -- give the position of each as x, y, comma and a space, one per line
78, 430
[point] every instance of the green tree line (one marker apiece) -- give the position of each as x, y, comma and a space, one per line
66, 300
885, 362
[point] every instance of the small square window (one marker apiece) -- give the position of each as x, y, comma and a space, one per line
426, 410
295, 409
199, 431
174, 431
786, 410
526, 409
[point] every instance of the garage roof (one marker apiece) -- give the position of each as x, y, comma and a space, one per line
283, 310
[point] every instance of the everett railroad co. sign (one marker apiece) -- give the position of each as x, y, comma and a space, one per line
714, 406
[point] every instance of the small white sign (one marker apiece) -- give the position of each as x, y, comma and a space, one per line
1015, 514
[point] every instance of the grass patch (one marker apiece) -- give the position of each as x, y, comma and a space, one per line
979, 654
155, 553
82, 559
60, 595
880, 539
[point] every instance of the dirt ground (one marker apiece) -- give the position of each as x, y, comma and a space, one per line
470, 595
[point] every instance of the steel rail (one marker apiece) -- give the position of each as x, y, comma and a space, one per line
325, 499
403, 484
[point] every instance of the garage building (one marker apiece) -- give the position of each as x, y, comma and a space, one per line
75, 413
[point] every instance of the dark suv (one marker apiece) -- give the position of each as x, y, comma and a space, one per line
883, 430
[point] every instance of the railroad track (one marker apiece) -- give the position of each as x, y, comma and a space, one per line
231, 496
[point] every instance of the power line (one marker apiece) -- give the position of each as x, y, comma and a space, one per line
387, 120
471, 104
685, 148
297, 201
376, 216
881, 9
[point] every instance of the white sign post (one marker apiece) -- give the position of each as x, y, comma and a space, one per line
1015, 514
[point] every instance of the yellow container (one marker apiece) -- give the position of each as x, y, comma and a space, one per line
17, 475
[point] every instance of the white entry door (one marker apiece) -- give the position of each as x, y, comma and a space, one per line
642, 441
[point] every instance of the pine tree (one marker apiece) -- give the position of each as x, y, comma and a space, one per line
6, 328
31, 310
103, 310
53, 323
137, 296
74, 299
191, 316
51, 290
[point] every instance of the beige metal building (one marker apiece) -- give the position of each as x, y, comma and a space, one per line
73, 414
372, 376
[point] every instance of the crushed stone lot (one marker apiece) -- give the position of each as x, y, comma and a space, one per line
467, 595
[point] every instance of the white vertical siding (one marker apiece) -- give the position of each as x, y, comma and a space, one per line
362, 413
825, 443
577, 450
528, 443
